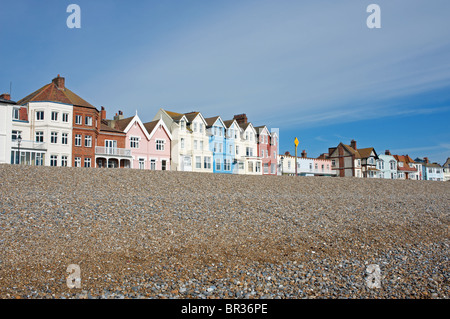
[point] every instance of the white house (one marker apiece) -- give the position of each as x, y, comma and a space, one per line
189, 147
387, 166
48, 130
8, 111
249, 162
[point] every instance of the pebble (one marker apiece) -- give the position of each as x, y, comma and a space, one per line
144, 234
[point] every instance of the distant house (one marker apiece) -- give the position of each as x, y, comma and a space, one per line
267, 149
306, 166
406, 168
387, 166
446, 168
431, 171
349, 161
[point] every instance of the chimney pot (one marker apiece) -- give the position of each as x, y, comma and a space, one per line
59, 82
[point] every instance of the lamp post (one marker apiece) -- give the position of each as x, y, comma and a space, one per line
19, 140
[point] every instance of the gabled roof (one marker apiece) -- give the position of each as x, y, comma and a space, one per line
406, 160
351, 150
123, 123
192, 116
150, 127
260, 129
366, 152
174, 115
210, 121
52, 93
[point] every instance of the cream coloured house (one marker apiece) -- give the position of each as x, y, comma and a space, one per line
189, 148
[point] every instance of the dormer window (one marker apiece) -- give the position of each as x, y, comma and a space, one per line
182, 125
15, 114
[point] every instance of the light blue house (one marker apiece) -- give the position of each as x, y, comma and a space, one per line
387, 166
431, 171
221, 146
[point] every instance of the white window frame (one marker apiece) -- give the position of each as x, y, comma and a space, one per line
40, 115
54, 137
160, 144
65, 138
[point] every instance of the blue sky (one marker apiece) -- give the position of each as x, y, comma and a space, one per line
313, 69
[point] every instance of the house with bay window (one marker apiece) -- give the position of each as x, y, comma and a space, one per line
247, 159
221, 145
46, 127
387, 165
190, 150
267, 149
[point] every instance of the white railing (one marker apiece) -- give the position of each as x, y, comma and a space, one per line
101, 150
28, 145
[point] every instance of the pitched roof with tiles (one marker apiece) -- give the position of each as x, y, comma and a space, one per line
174, 115
122, 124
211, 120
351, 150
406, 160
366, 152
106, 128
150, 126
52, 93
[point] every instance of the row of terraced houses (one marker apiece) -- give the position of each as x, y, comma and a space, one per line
55, 127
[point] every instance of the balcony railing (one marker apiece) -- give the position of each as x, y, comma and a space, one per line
29, 145
111, 151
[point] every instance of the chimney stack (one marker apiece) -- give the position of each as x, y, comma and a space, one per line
241, 118
287, 153
388, 152
304, 154
59, 82
103, 114
353, 144
118, 116
426, 160
6, 96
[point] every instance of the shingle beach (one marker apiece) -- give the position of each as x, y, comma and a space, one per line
154, 234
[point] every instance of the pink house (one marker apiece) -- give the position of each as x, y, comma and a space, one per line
150, 143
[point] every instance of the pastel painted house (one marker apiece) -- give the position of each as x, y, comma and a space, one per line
405, 167
305, 166
149, 143
446, 169
387, 166
431, 171
221, 146
267, 149
247, 156
190, 143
